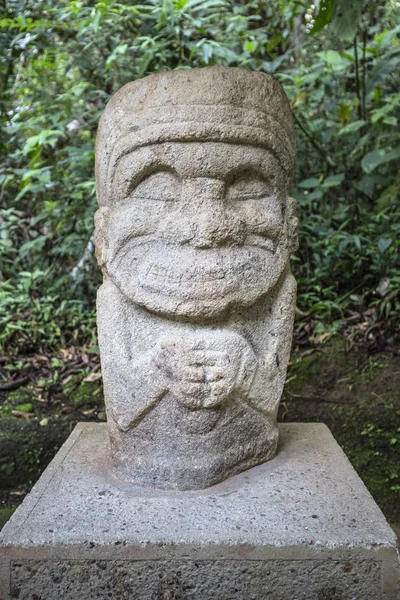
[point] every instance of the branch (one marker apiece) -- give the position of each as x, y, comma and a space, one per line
14, 385
87, 255
360, 116
316, 144
364, 76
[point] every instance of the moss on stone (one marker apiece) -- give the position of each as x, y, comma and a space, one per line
80, 393
26, 407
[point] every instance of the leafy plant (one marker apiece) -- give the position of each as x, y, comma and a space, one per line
61, 61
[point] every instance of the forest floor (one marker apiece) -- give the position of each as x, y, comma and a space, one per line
350, 381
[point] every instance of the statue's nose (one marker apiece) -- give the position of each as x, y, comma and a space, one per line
206, 215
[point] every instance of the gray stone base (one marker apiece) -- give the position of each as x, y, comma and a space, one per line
300, 527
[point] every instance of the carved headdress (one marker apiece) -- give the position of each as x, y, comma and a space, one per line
218, 104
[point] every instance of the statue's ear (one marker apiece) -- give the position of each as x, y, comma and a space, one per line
291, 223
101, 219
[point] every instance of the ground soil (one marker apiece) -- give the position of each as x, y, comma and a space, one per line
354, 389
357, 394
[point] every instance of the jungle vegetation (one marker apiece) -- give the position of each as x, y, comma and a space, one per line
61, 60
339, 62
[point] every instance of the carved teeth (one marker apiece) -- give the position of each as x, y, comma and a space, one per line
169, 275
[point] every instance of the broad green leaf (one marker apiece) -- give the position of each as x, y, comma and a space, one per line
324, 15
392, 155
357, 241
332, 57
385, 67
351, 127
374, 159
273, 65
344, 113
96, 20
384, 38
390, 121
118, 51
315, 195
309, 183
333, 180
199, 4
389, 196
384, 244
368, 184
346, 18
144, 62
349, 56
207, 52
47, 136
274, 41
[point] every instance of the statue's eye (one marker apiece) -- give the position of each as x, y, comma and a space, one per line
162, 185
249, 186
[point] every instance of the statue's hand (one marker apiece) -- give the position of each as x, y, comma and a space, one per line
205, 369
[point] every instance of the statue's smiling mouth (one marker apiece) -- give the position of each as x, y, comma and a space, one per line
162, 274
202, 274
174, 266
182, 279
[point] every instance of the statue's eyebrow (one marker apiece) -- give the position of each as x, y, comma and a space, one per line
256, 167
144, 162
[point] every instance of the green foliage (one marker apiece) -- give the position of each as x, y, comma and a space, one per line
348, 183
60, 62
32, 321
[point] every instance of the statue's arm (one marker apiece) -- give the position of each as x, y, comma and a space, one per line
132, 386
267, 384
137, 392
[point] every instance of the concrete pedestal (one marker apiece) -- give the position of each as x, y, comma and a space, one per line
300, 527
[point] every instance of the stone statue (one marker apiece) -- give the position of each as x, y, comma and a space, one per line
193, 234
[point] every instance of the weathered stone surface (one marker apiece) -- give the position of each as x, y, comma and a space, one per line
193, 234
299, 527
205, 580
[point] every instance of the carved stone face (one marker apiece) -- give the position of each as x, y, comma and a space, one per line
196, 228
195, 225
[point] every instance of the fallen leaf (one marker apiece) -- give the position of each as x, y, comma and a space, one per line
88, 412
92, 377
67, 354
41, 358
308, 352
21, 413
40, 398
318, 339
